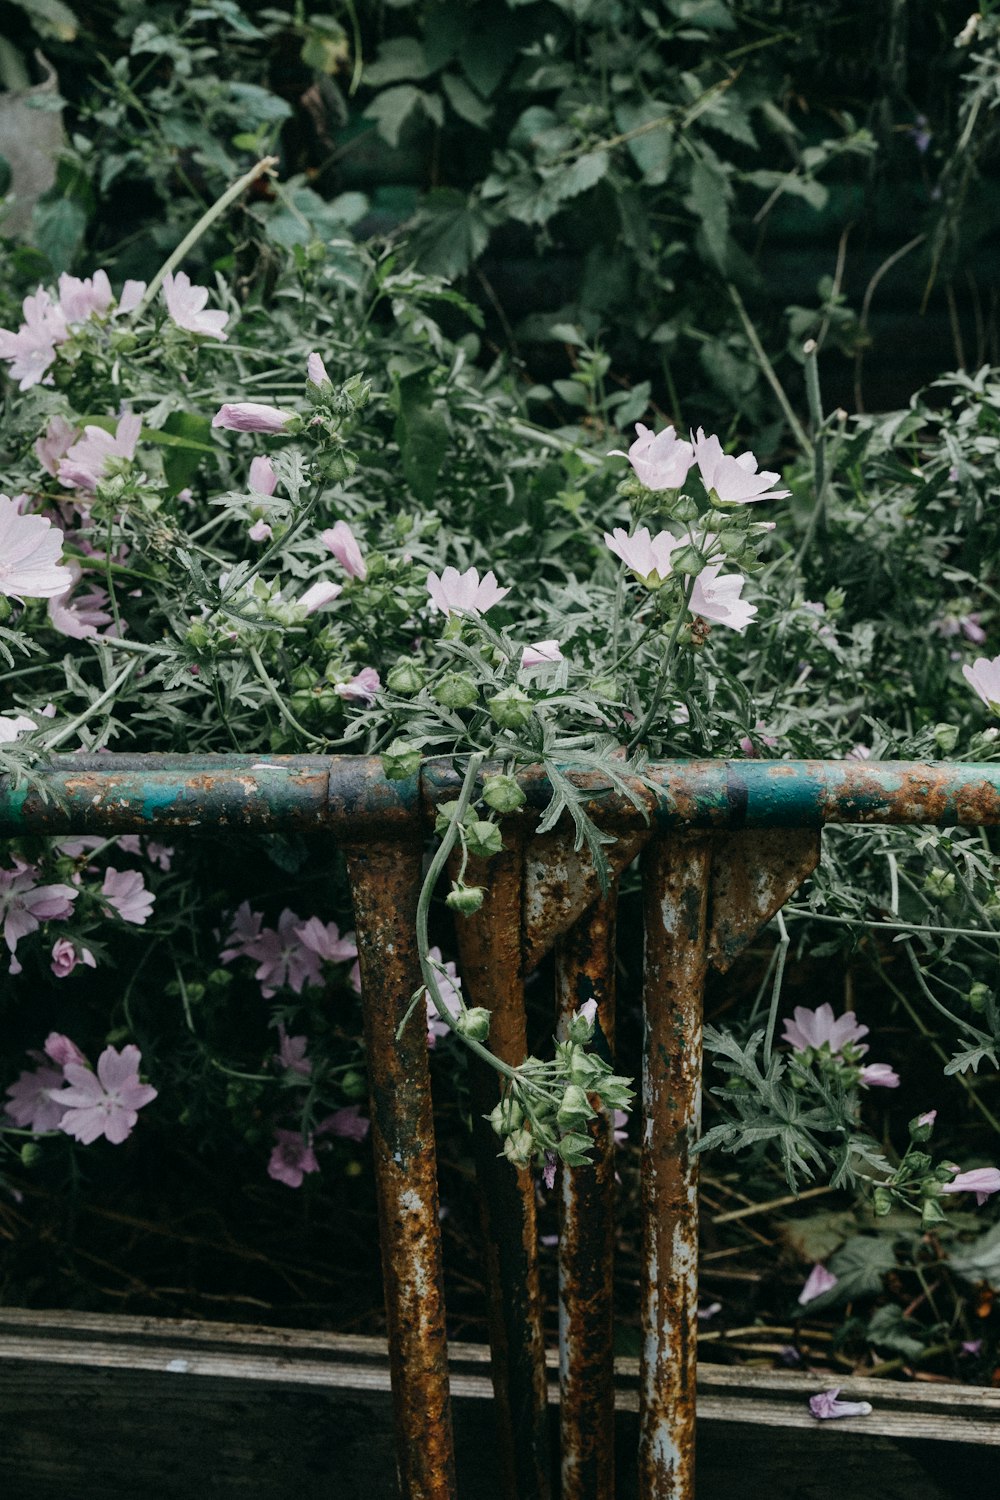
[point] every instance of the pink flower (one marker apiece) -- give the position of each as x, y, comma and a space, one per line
984, 678
619, 1128
341, 541
718, 599
747, 745
826, 1406
879, 1076
263, 480
251, 416
734, 481
981, 1180
661, 461
362, 688
455, 593
125, 892
31, 1106
347, 1123
818, 1281
316, 371
260, 532
324, 939
11, 728
81, 616
283, 959
813, 1029
541, 654
86, 463
927, 1118
30, 547
105, 1104
33, 348
648, 557
859, 752
291, 1052
24, 905
58, 438
132, 294
66, 956
292, 1157
80, 300
61, 1050
450, 987
320, 596
186, 303
243, 934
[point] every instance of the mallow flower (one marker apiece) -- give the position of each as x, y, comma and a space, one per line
716, 597
342, 542
30, 548
647, 556
86, 462
659, 460
455, 593
186, 306
732, 481
825, 1405
981, 1180
106, 1103
984, 678
252, 416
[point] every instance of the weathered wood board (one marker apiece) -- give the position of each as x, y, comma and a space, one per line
154, 1409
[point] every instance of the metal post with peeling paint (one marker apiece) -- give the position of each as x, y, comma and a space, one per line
585, 970
675, 877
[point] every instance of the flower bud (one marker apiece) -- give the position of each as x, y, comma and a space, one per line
574, 1149
400, 760
978, 996
405, 678
834, 600
519, 1148
581, 1027
946, 737
484, 839
354, 1085
931, 1214
508, 1116
465, 898
574, 1109
30, 1152
921, 1126
457, 690
503, 794
198, 637
511, 708
881, 1202
683, 508
687, 560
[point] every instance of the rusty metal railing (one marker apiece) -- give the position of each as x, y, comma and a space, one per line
724, 844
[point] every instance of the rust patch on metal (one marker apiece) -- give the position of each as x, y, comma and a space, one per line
489, 946
675, 896
385, 880
585, 970
561, 882
753, 874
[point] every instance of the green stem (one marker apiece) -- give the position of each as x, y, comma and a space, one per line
285, 713
69, 729
661, 684
769, 373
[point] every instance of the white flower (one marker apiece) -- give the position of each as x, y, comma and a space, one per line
984, 677
186, 306
734, 481
30, 547
457, 593
648, 557
718, 599
660, 460
541, 654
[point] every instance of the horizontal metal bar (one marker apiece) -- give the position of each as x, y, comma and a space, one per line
348, 794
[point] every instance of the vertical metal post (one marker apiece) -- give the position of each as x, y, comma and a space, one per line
491, 965
585, 970
675, 895
385, 881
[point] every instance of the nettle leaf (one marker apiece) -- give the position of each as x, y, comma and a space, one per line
465, 101
860, 1265
401, 58
652, 150
708, 200
451, 233
392, 109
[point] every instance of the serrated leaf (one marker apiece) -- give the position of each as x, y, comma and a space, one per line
651, 149
465, 101
451, 233
861, 1264
398, 60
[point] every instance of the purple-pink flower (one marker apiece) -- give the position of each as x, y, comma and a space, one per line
29, 1101
30, 548
291, 1054
260, 532
660, 460
55, 443
186, 306
813, 1029
981, 1180
647, 556
263, 480
86, 462
80, 299
32, 348
826, 1406
449, 986
11, 728
732, 481
984, 677
25, 905
252, 416
818, 1281
455, 593
292, 1157
348, 1123
243, 934
80, 616
320, 596
541, 654
125, 892
283, 958
106, 1103
342, 542
66, 956
325, 940
62, 1049
316, 371
362, 688
716, 597
879, 1076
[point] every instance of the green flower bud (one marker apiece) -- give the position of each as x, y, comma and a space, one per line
834, 600
220, 979
921, 1126
503, 794
473, 1023
400, 760
195, 992
445, 816
405, 678
465, 898
30, 1152
510, 708
931, 1214
519, 1148
484, 839
687, 560
354, 1085
198, 636
457, 690
581, 1027
682, 508
304, 678
946, 737
881, 1202
574, 1109
939, 882
507, 1116
978, 996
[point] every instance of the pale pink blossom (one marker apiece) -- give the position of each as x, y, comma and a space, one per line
55, 443
927, 1118
813, 1029
541, 654
291, 1054
66, 956
716, 597
260, 532
734, 481
348, 1123
455, 593
157, 854
660, 460
968, 625
251, 416
325, 940
747, 745
106, 1103
243, 934
818, 1281
86, 463
362, 688
984, 677
647, 556
859, 752
82, 299
879, 1076
619, 1134
30, 1104
125, 892
320, 596
292, 1157
450, 987
132, 294
826, 1406
342, 542
283, 959
981, 1180
32, 349
263, 480
24, 906
186, 306
80, 616
30, 547
316, 371
11, 728
61, 1050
